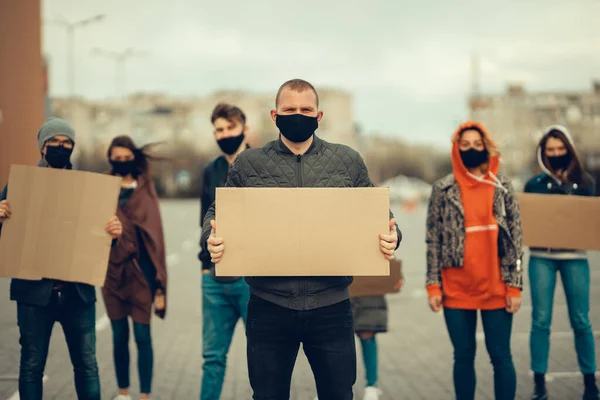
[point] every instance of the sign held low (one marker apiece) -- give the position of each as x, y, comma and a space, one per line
302, 231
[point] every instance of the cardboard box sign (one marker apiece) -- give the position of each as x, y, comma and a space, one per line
377, 285
560, 222
57, 226
302, 231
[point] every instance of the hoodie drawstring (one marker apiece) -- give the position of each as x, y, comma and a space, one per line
496, 183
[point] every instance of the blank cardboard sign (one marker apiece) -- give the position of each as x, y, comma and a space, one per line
302, 231
57, 226
560, 222
377, 285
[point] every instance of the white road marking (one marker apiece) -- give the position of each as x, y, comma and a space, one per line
172, 260
102, 323
550, 376
525, 335
188, 245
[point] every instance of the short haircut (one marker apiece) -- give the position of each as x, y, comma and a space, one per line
230, 112
298, 85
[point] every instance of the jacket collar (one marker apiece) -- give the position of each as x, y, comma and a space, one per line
452, 189
314, 147
447, 181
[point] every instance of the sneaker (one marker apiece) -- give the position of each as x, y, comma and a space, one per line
372, 393
123, 397
540, 394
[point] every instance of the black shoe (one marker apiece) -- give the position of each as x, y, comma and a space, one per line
591, 393
540, 396
539, 384
591, 389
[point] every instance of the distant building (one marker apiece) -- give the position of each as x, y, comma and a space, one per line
517, 118
186, 121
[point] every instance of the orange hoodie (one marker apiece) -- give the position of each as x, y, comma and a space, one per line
478, 283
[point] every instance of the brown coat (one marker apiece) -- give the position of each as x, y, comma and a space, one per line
126, 291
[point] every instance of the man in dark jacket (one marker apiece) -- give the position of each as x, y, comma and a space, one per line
224, 299
286, 311
41, 303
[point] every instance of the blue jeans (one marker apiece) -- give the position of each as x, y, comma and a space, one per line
575, 275
143, 340
274, 336
497, 327
369, 353
78, 321
223, 304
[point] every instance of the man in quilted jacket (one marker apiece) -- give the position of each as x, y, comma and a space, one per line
284, 312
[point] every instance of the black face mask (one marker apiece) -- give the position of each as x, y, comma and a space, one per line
58, 156
124, 168
559, 163
473, 158
231, 145
296, 128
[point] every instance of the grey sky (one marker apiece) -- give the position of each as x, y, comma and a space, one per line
407, 63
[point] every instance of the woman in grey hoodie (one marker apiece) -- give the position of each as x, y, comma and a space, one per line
562, 173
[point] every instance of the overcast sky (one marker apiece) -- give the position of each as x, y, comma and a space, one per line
407, 63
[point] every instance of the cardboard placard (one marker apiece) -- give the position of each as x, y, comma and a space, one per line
377, 285
302, 231
57, 226
560, 222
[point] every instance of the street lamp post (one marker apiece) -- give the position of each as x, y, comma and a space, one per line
120, 59
70, 28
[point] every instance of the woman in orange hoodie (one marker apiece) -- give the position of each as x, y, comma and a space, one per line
474, 252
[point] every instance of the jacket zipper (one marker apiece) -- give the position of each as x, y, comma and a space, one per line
304, 286
514, 245
508, 234
299, 169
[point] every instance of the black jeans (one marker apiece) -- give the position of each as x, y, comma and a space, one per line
497, 327
78, 321
274, 336
143, 339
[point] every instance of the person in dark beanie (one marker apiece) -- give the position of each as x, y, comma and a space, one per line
562, 174
315, 311
224, 299
43, 302
56, 140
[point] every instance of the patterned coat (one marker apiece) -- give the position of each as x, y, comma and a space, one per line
446, 231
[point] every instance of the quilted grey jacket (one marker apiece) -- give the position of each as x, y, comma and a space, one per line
446, 231
323, 165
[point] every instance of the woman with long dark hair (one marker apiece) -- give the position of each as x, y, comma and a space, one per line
136, 280
474, 258
562, 173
